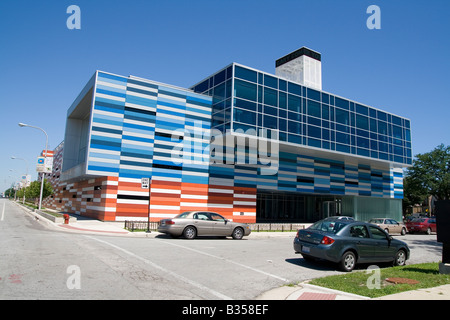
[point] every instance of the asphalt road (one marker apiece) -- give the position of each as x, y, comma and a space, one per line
41, 263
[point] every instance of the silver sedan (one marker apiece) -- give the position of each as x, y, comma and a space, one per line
202, 223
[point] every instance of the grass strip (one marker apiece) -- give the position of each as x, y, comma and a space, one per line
364, 282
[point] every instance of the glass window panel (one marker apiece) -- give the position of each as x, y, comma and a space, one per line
245, 90
244, 116
282, 85
342, 116
313, 94
294, 127
314, 143
271, 111
408, 135
373, 125
396, 120
270, 122
398, 151
245, 104
362, 122
341, 103
314, 132
294, 88
325, 98
314, 121
219, 78
282, 113
270, 97
246, 74
325, 112
407, 124
362, 142
295, 116
294, 138
397, 132
382, 127
362, 109
202, 87
314, 109
383, 147
294, 103
381, 115
282, 100
270, 81
219, 93
342, 148
342, 138
363, 152
244, 127
282, 124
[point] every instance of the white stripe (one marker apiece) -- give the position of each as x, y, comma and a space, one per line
171, 273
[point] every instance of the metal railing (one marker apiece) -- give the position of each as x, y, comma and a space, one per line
140, 225
255, 227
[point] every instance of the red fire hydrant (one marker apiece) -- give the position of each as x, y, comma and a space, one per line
66, 218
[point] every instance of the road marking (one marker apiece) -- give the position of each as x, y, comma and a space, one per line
227, 260
173, 274
3, 212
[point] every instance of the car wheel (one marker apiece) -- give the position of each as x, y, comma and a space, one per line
403, 231
429, 231
348, 261
190, 232
400, 258
238, 233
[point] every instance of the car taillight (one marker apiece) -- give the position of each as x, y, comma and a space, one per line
327, 240
170, 222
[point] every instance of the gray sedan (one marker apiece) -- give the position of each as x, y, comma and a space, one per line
202, 223
349, 243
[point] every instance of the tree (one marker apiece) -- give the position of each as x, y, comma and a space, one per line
34, 190
430, 174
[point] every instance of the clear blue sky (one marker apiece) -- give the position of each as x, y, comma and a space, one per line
403, 68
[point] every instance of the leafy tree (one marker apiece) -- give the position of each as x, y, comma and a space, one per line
34, 190
430, 174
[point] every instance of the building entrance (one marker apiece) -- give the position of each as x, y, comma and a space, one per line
294, 207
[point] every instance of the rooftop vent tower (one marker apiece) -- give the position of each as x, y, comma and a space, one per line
303, 66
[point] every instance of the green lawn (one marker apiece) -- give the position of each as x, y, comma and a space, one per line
356, 282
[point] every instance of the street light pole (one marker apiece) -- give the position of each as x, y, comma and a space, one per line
45, 159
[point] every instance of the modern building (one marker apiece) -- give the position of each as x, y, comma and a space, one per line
250, 145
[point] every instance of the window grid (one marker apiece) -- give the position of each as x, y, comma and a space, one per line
306, 116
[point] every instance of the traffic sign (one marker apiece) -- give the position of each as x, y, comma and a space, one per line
145, 183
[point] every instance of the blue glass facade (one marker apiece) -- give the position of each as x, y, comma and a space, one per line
244, 98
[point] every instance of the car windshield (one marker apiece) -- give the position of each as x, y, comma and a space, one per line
376, 221
328, 226
182, 215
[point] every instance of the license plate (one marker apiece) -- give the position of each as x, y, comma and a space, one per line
306, 249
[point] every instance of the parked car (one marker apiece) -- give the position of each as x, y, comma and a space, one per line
201, 223
349, 243
427, 225
390, 225
341, 218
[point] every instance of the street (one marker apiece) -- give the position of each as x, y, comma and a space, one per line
41, 263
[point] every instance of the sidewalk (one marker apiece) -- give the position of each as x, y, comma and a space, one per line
305, 291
